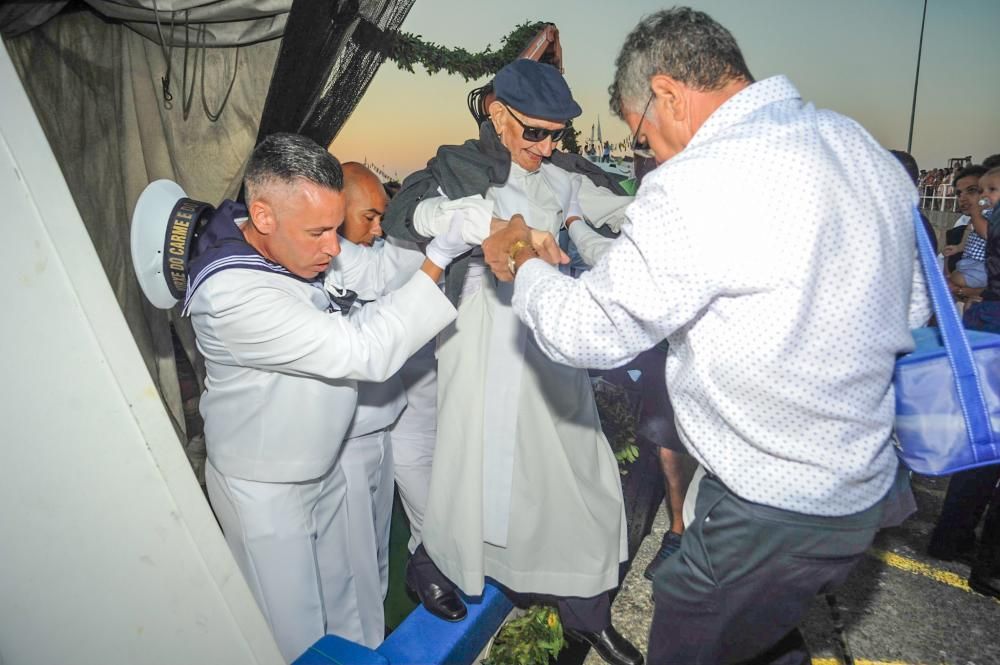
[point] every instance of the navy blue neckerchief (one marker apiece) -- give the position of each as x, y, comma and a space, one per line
220, 245
344, 300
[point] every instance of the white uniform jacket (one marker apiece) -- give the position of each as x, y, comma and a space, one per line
283, 368
372, 272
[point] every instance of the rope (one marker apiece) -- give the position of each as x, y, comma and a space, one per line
187, 95
168, 97
213, 117
187, 98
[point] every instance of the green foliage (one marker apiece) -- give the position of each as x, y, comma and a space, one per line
407, 50
569, 142
627, 455
618, 420
531, 639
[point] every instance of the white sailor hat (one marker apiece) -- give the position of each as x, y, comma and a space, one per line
164, 226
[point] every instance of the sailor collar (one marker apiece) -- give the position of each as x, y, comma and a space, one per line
221, 246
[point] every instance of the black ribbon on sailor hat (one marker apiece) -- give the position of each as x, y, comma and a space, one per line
182, 228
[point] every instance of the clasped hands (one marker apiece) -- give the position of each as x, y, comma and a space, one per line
507, 247
510, 243
514, 242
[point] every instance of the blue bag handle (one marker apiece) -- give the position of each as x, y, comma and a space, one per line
956, 345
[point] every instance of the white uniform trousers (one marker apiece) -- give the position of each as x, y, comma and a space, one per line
315, 553
414, 435
368, 465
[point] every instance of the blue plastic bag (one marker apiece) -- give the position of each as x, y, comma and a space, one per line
948, 388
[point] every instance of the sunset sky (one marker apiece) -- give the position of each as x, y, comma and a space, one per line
857, 57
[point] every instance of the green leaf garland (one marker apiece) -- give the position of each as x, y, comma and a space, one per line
408, 50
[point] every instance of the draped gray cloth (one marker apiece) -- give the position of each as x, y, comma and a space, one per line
18, 17
215, 22
95, 88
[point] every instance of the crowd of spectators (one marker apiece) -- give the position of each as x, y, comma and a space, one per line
965, 240
937, 186
973, 496
937, 181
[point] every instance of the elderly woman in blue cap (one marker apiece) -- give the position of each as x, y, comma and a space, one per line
525, 488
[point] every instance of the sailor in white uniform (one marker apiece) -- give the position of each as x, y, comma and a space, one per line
407, 402
282, 370
367, 459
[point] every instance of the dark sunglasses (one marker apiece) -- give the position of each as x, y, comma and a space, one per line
642, 149
536, 134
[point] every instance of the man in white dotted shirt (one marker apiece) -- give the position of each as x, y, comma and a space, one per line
780, 370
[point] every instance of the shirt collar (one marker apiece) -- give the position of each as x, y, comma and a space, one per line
519, 172
744, 103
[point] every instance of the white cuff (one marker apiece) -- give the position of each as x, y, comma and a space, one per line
574, 211
432, 217
590, 244
477, 214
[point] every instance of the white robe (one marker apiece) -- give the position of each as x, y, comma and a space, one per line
525, 488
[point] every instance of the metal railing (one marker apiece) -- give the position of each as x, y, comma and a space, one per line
931, 199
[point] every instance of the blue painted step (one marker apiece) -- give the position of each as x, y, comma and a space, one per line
422, 639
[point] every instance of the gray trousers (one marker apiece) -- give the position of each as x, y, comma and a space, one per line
746, 575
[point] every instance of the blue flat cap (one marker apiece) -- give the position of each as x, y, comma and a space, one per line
537, 90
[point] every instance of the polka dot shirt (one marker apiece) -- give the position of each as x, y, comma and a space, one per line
776, 254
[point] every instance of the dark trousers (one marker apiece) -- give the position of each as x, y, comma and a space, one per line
746, 575
987, 561
591, 614
968, 494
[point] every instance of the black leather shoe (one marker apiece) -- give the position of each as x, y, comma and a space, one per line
982, 582
440, 601
609, 645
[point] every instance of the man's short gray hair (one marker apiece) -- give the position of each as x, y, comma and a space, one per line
687, 45
284, 158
